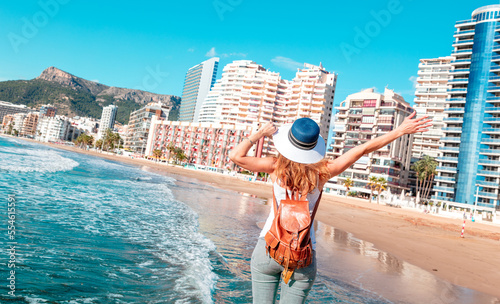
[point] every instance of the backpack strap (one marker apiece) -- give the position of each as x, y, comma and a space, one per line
316, 206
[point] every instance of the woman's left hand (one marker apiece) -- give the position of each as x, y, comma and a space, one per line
410, 125
268, 129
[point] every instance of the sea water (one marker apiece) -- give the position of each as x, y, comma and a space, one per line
89, 230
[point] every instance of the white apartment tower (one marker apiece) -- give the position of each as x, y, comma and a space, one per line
430, 99
361, 117
198, 82
248, 94
107, 120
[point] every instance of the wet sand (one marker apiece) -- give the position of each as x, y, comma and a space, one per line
429, 242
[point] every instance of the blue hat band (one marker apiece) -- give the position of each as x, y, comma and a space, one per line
300, 144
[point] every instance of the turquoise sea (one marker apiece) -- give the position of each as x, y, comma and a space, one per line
89, 230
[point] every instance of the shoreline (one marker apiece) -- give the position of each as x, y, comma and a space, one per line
429, 242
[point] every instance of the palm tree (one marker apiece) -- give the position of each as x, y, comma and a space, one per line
157, 154
99, 143
171, 149
372, 183
348, 183
380, 187
425, 168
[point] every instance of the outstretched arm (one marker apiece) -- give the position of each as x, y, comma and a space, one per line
409, 126
256, 164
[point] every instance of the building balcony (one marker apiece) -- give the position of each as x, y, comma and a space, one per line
444, 189
463, 22
491, 130
454, 110
459, 80
490, 141
490, 151
460, 71
447, 159
462, 33
488, 162
444, 179
493, 99
457, 91
447, 169
457, 100
459, 42
450, 139
488, 173
488, 184
453, 119
452, 130
462, 52
450, 149
441, 198
492, 120
492, 110
487, 195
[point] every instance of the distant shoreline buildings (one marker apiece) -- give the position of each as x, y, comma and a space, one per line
460, 92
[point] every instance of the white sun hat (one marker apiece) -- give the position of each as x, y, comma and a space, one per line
300, 142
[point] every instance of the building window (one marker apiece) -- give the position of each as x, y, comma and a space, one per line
369, 103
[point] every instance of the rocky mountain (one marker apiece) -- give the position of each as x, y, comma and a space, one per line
73, 95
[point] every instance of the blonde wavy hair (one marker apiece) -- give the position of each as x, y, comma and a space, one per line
300, 176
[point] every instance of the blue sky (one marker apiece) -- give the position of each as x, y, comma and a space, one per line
150, 45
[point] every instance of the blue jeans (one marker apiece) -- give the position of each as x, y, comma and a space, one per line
266, 275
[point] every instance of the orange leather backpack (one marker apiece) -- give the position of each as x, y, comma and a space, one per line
288, 241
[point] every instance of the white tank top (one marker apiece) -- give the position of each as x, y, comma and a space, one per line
280, 194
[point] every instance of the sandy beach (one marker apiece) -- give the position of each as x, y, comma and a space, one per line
430, 242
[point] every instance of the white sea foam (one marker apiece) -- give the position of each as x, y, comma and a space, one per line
123, 203
29, 160
33, 300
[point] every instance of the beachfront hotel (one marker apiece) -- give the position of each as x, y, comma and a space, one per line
361, 117
470, 161
139, 124
198, 82
107, 120
247, 94
205, 144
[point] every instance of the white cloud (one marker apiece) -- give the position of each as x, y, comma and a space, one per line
413, 79
287, 63
191, 50
213, 53
95, 80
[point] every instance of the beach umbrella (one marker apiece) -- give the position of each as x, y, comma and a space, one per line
402, 197
418, 197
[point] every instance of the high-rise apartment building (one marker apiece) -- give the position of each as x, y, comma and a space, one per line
364, 116
198, 82
139, 124
107, 120
471, 144
8, 108
247, 94
430, 99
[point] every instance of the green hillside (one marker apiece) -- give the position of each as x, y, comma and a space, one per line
69, 101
